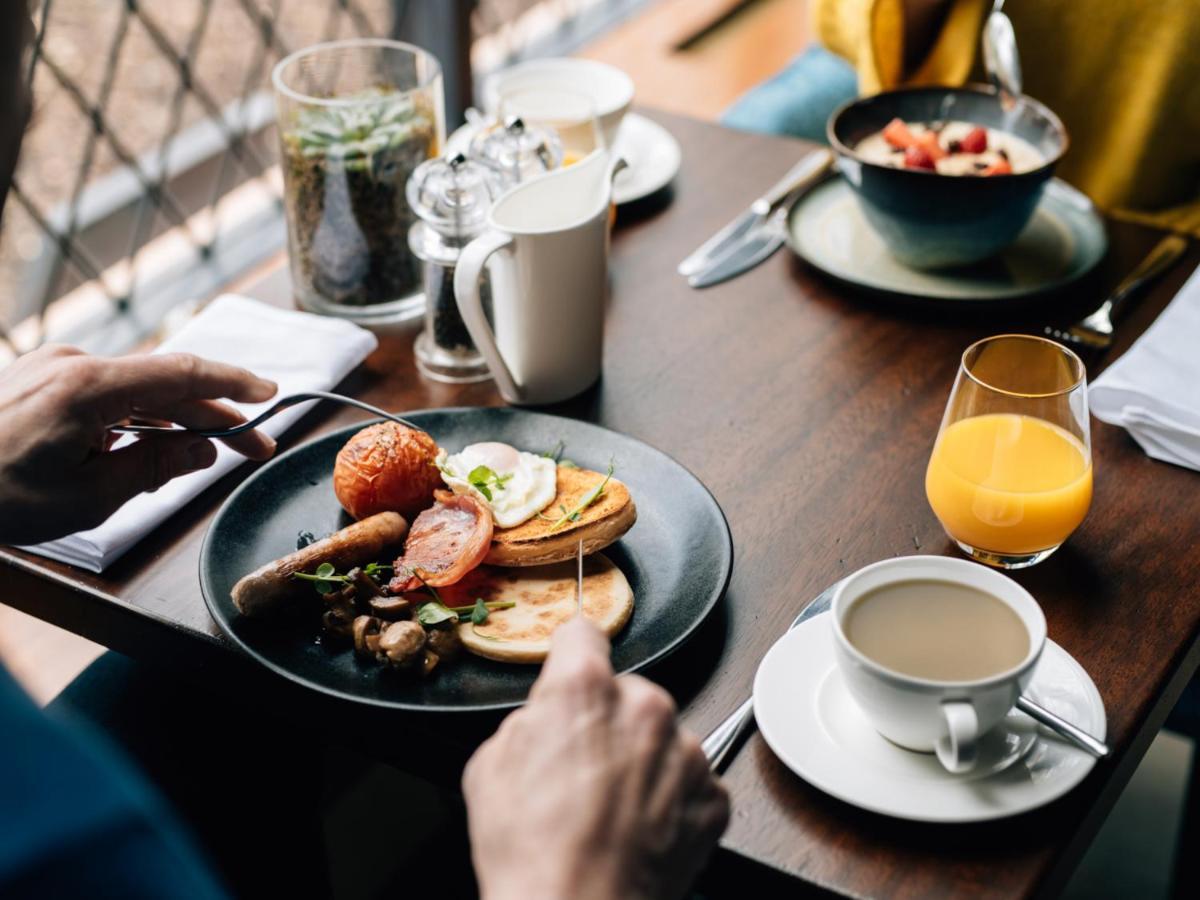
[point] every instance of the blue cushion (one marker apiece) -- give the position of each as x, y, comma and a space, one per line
799, 99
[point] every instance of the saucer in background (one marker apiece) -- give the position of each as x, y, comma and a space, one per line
1062, 242
809, 720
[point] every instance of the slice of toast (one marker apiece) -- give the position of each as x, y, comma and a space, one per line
538, 542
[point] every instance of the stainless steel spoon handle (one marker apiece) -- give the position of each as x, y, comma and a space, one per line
278, 406
722, 738
1078, 736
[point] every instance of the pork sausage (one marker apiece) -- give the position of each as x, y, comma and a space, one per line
355, 545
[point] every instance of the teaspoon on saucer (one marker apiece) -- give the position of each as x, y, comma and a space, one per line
717, 744
1062, 727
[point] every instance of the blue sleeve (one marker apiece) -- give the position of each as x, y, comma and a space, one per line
77, 821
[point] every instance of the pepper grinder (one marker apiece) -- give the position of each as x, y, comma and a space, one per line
518, 151
452, 197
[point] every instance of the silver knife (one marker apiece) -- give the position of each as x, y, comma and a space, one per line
757, 245
722, 738
799, 177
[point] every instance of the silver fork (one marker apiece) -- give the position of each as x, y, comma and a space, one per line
278, 406
1096, 330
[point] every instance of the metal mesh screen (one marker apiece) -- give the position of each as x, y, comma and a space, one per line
152, 140
120, 86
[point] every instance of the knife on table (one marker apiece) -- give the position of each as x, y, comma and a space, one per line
798, 179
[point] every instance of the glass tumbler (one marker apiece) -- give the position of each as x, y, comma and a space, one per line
1010, 477
355, 120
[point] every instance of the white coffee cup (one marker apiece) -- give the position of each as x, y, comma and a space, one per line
610, 89
946, 717
549, 282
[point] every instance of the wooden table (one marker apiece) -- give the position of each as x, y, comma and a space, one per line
810, 412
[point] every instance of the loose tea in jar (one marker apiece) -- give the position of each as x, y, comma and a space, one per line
356, 119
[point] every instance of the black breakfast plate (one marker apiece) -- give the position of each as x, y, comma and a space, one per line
677, 558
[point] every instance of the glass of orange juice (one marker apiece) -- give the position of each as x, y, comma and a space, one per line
1010, 477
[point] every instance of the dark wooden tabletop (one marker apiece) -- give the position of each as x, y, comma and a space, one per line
809, 410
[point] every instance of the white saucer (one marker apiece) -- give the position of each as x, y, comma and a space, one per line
809, 720
653, 154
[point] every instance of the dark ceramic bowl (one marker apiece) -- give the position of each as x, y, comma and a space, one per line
932, 221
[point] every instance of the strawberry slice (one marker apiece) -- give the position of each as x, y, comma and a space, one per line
917, 157
897, 134
975, 142
999, 167
928, 141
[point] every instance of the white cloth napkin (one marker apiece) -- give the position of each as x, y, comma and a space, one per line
299, 351
1153, 391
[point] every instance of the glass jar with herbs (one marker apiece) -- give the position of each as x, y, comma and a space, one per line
356, 118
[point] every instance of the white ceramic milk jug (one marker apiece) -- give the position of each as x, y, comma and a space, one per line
549, 282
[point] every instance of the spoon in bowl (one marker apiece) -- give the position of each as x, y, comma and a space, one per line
1000, 58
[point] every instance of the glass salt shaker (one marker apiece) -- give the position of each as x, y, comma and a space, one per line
517, 150
452, 197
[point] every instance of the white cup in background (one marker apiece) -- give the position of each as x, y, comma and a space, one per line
947, 717
610, 89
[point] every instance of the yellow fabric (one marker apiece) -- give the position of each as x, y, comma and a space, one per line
1124, 76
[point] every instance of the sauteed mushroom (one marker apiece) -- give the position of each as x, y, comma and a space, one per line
390, 608
368, 586
366, 635
339, 617
444, 642
338, 621
402, 644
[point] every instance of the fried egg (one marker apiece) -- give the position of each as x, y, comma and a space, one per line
514, 484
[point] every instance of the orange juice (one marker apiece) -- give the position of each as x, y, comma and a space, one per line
1009, 484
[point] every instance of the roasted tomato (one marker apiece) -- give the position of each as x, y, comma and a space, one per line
386, 467
445, 542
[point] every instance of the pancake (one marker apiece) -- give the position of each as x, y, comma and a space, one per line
545, 598
537, 542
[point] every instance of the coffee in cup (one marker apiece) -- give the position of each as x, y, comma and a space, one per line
936, 650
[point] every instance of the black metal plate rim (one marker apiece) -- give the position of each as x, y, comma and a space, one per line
207, 590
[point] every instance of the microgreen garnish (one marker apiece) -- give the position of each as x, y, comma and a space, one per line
556, 455
484, 479
326, 578
486, 637
435, 613
592, 496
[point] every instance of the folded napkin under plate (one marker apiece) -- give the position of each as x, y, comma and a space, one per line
1153, 391
299, 351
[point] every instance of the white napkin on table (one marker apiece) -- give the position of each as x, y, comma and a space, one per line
1153, 391
299, 351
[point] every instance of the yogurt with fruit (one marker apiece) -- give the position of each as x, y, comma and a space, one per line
949, 148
